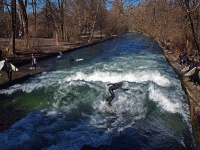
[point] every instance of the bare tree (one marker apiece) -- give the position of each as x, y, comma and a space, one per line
12, 40
33, 3
94, 21
190, 7
24, 19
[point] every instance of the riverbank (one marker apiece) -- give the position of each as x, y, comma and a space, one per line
192, 91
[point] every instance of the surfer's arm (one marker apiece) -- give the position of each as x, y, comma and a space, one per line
124, 89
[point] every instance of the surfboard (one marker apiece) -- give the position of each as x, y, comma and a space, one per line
60, 55
191, 72
79, 59
13, 67
186, 68
2, 64
33, 68
109, 107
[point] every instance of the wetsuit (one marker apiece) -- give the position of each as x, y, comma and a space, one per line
8, 69
34, 61
193, 64
61, 55
71, 59
183, 58
196, 78
111, 89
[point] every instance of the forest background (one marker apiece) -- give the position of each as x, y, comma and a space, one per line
176, 21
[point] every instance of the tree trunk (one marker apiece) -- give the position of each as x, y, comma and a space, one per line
60, 5
24, 18
54, 18
34, 14
193, 33
192, 25
94, 23
12, 40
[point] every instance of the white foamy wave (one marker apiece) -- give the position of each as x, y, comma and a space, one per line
10, 90
43, 80
157, 96
52, 113
23, 87
113, 77
125, 103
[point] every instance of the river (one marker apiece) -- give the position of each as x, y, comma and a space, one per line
67, 111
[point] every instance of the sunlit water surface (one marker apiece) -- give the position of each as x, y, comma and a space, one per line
66, 108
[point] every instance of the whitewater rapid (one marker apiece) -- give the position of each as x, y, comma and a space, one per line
67, 109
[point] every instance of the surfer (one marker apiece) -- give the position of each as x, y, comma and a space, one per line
196, 78
193, 64
71, 59
32, 56
168, 45
8, 68
113, 87
183, 58
34, 61
60, 55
